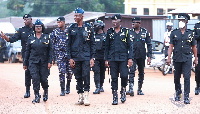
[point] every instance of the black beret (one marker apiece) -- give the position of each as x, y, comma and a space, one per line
27, 16
136, 19
183, 16
61, 19
116, 16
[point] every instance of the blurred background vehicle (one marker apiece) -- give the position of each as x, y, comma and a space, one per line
14, 53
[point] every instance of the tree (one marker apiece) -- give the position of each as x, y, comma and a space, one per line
16, 6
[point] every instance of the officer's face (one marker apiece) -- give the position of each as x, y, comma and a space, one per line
27, 21
136, 24
78, 17
60, 24
116, 22
169, 27
38, 28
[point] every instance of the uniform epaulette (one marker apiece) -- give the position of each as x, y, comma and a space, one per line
144, 28
71, 25
175, 29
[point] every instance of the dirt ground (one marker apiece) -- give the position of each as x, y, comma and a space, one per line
158, 98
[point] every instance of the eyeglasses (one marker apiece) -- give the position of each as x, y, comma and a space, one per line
38, 26
136, 22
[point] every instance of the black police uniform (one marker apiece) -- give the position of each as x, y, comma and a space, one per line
23, 34
117, 51
139, 40
182, 58
2, 49
38, 55
99, 66
197, 69
81, 48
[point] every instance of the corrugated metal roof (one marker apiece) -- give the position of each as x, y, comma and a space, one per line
69, 18
191, 9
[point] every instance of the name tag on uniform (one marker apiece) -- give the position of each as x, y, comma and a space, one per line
32, 41
97, 40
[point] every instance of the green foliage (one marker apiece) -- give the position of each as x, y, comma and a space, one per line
62, 7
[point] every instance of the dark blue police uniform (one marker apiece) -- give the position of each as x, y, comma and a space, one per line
117, 51
139, 41
2, 49
99, 66
23, 34
197, 68
81, 48
182, 58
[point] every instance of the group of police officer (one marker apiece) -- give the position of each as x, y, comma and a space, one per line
81, 46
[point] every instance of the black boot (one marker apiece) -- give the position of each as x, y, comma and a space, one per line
68, 87
97, 90
45, 95
27, 94
101, 88
186, 98
178, 95
37, 97
130, 92
62, 85
139, 91
123, 94
115, 97
170, 71
197, 89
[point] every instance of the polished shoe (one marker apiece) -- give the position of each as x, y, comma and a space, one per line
37, 97
123, 94
27, 94
139, 92
178, 95
62, 93
196, 91
68, 87
115, 97
186, 101
97, 91
101, 89
45, 95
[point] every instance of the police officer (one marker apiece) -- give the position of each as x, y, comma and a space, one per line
80, 52
197, 68
167, 40
99, 66
59, 38
118, 54
140, 36
2, 49
39, 58
23, 34
181, 41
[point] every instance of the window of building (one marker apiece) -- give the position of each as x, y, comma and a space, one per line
168, 10
134, 10
146, 11
160, 11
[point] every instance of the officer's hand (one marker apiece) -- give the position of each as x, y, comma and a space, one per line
195, 62
91, 62
49, 65
148, 61
72, 63
168, 61
130, 62
107, 63
25, 67
2, 35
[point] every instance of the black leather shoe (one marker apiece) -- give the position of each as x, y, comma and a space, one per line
101, 89
115, 97
62, 93
45, 95
123, 94
186, 101
67, 90
196, 91
178, 95
27, 94
139, 92
37, 99
97, 91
